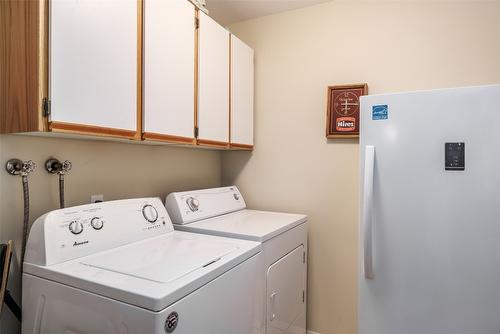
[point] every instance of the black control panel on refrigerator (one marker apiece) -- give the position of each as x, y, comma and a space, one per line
454, 156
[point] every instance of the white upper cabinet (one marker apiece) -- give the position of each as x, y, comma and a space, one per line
93, 68
169, 70
242, 81
213, 82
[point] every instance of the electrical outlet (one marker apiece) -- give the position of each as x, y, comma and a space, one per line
96, 198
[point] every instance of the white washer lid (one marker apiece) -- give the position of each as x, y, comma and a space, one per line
162, 260
85, 273
246, 224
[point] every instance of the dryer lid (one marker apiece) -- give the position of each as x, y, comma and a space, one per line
246, 224
162, 260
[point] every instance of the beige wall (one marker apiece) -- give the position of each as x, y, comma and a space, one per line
393, 46
117, 170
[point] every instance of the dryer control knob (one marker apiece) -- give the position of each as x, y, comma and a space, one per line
76, 227
97, 223
149, 212
193, 204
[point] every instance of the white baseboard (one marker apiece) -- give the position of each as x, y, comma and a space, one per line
311, 332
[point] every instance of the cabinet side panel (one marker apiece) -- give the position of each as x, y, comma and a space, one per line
242, 87
20, 102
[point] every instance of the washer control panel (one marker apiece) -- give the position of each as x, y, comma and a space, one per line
69, 233
190, 206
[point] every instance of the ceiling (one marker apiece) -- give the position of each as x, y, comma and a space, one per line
229, 11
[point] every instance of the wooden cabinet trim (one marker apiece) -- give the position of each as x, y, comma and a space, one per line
168, 138
212, 143
91, 130
43, 64
21, 40
140, 71
242, 146
230, 83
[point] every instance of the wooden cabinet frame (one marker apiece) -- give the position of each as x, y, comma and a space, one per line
25, 73
24, 80
163, 50
72, 128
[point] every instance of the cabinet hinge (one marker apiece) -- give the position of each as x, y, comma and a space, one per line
303, 296
196, 132
196, 23
46, 107
304, 257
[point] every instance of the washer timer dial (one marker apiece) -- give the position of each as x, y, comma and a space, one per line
150, 213
76, 227
97, 223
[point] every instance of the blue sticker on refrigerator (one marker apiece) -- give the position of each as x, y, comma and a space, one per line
380, 112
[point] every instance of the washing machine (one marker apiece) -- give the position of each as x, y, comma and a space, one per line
120, 268
223, 212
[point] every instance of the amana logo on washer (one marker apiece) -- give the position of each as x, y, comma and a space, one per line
171, 322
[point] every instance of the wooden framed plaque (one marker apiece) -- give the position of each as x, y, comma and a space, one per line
342, 119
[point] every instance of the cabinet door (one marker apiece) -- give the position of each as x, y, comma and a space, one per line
169, 70
213, 83
94, 66
242, 81
286, 286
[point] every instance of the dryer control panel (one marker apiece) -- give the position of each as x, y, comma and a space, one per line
190, 206
73, 232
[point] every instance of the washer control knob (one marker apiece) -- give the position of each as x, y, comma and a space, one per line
97, 223
149, 212
76, 227
193, 204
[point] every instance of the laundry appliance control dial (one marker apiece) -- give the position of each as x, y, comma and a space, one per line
76, 227
97, 223
193, 204
149, 212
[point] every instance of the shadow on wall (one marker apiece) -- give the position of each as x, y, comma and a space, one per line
238, 163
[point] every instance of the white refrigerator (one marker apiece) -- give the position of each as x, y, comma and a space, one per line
430, 212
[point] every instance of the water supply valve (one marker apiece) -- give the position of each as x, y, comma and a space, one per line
19, 167
54, 166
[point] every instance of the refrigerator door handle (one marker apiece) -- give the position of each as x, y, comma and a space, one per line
367, 212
